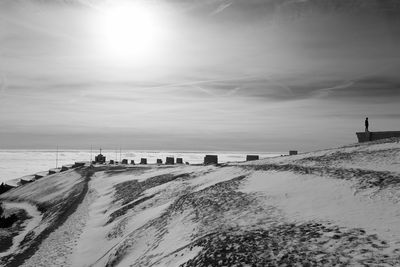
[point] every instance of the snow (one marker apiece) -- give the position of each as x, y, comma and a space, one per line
49, 188
95, 230
184, 255
58, 247
175, 237
18, 163
375, 156
216, 176
240, 201
311, 197
29, 224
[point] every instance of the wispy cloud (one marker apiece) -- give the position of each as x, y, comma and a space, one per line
221, 8
229, 74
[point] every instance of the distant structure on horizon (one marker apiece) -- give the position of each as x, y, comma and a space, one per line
252, 157
170, 161
100, 158
210, 159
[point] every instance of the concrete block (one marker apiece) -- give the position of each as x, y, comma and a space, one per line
124, 161
210, 159
170, 161
53, 171
38, 176
252, 157
293, 152
159, 161
179, 161
64, 168
143, 161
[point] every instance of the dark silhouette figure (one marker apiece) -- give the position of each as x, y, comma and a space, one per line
366, 124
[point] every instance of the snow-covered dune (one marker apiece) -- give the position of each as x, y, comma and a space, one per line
337, 206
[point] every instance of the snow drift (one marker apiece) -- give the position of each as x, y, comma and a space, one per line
336, 206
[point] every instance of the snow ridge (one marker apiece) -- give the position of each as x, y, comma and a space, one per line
330, 207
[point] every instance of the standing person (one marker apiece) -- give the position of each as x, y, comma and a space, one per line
366, 124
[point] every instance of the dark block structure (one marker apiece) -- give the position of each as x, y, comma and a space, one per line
38, 176
124, 161
78, 164
112, 161
5, 187
132, 162
372, 136
64, 168
52, 171
143, 161
252, 157
22, 181
159, 161
170, 161
210, 159
179, 161
293, 152
100, 159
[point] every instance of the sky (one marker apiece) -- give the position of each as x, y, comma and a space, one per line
251, 75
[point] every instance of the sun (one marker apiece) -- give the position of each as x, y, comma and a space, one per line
133, 32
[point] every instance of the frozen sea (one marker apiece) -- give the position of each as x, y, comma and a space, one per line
18, 163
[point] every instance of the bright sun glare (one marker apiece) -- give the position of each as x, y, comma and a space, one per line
132, 32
